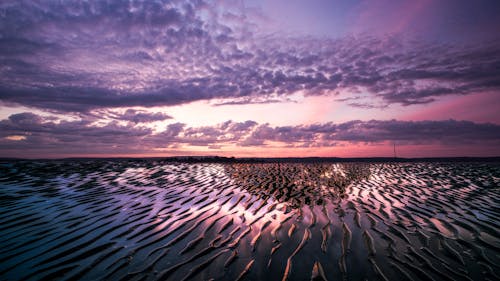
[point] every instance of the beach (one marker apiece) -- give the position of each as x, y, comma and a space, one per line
157, 220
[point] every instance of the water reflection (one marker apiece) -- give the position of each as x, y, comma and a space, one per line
151, 220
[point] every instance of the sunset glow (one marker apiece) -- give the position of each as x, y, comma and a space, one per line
249, 78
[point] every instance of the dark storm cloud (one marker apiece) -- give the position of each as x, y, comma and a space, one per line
30, 132
83, 55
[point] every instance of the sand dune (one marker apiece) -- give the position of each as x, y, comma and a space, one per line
152, 220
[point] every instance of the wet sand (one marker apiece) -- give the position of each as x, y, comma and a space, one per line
152, 220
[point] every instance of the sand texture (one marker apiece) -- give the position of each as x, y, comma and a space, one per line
153, 220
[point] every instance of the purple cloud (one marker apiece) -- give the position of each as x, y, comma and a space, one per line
31, 133
86, 55
140, 116
43, 134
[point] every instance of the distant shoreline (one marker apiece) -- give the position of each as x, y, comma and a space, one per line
219, 159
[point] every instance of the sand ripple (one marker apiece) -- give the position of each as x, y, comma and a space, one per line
154, 220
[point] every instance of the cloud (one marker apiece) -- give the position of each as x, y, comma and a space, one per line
86, 55
37, 133
140, 116
28, 132
374, 131
251, 100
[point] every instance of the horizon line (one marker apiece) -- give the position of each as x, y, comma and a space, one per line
215, 158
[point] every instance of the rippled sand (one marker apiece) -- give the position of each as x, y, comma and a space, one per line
153, 220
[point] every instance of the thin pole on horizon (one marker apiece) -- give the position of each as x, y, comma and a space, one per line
394, 143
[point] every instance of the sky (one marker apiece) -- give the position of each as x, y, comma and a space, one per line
279, 78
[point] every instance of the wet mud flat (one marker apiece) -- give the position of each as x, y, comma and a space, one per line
153, 220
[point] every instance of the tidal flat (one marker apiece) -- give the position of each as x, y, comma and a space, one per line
157, 220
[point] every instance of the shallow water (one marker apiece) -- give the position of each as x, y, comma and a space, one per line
153, 220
